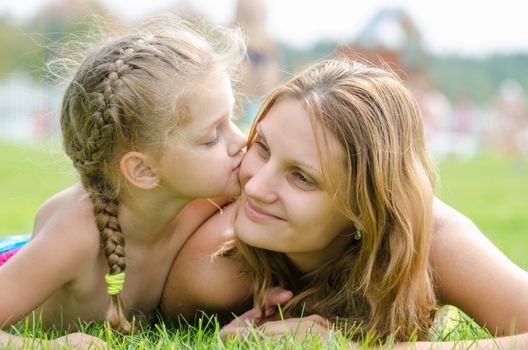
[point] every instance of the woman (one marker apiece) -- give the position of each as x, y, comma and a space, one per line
337, 206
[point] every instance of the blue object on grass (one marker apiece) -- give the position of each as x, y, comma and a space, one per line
13, 242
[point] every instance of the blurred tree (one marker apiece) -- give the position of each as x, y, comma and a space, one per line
477, 78
20, 52
29, 45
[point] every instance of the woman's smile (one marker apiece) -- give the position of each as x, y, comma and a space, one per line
256, 213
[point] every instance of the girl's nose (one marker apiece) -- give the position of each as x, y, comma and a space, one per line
237, 142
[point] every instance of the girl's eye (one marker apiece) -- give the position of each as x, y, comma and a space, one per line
211, 142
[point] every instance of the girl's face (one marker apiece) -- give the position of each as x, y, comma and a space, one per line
204, 158
284, 205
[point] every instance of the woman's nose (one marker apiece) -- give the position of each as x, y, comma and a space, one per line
262, 185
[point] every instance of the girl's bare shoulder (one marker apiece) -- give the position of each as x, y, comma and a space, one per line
68, 217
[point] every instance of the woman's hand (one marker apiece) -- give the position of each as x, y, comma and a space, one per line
299, 328
254, 317
267, 324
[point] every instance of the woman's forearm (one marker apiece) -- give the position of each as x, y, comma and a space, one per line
513, 342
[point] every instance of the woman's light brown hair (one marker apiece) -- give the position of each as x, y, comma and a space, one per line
381, 284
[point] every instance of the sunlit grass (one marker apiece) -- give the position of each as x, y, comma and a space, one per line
492, 191
30, 174
205, 334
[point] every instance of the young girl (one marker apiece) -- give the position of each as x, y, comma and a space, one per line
146, 121
340, 210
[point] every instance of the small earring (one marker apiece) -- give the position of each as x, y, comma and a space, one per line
358, 234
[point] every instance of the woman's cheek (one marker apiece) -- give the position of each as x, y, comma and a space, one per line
247, 167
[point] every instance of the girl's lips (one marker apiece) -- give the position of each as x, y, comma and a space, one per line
238, 165
256, 213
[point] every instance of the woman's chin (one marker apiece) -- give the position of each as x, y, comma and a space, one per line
246, 231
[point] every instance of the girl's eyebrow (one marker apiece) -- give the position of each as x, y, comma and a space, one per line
215, 122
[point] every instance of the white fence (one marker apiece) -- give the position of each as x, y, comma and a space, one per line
29, 108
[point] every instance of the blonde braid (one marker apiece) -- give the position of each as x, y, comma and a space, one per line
106, 204
91, 157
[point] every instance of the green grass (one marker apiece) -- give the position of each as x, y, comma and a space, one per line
205, 334
29, 175
491, 190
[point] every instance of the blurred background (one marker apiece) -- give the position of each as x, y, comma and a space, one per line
466, 62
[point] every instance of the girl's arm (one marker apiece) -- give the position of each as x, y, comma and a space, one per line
55, 256
472, 274
75, 340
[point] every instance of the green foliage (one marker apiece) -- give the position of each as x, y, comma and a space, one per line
477, 78
27, 46
19, 51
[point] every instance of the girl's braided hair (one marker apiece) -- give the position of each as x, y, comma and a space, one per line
129, 94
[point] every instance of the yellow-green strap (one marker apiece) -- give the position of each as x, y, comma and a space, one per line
115, 283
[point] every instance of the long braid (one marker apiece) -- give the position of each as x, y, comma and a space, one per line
91, 157
105, 200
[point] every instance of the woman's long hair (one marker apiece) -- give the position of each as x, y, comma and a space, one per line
382, 283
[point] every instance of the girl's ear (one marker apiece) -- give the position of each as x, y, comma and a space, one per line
137, 169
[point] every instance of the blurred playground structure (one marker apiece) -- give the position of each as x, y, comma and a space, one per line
455, 122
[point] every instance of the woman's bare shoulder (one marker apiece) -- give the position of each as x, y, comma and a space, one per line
200, 280
471, 273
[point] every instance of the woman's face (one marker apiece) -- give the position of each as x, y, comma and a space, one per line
284, 204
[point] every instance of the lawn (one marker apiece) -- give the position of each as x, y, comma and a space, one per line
30, 173
490, 189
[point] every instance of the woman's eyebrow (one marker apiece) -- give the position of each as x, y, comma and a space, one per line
260, 132
298, 163
302, 165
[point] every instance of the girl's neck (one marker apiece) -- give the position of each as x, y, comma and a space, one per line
148, 216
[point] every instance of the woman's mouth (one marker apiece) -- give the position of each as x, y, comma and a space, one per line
256, 213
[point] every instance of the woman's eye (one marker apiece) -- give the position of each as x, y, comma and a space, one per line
302, 178
303, 181
262, 148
